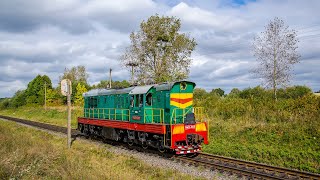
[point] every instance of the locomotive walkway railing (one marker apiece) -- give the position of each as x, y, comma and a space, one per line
179, 114
153, 115
107, 113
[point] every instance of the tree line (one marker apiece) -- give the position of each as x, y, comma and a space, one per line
40, 90
296, 103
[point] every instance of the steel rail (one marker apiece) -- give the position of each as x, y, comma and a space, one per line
277, 171
245, 168
225, 168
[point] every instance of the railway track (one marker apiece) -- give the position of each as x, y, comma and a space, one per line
45, 126
251, 170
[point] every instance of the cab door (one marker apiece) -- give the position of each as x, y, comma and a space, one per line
136, 108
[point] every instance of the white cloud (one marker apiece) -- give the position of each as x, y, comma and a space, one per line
197, 18
44, 37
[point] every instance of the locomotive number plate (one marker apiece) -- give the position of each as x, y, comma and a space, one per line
189, 127
136, 117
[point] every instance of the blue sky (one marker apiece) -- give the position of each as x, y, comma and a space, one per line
42, 37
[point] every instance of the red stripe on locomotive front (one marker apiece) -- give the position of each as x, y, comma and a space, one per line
182, 101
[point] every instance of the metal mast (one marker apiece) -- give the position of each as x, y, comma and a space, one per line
132, 64
110, 80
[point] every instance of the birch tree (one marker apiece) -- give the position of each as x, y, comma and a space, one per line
276, 52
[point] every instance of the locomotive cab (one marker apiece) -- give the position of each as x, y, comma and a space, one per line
188, 129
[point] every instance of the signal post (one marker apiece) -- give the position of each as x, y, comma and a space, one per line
66, 90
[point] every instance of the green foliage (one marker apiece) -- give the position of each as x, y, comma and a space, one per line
114, 84
295, 92
34, 93
18, 99
235, 92
75, 74
200, 93
218, 91
5, 103
256, 92
159, 50
79, 101
54, 98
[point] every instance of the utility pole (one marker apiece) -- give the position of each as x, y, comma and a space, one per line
132, 64
45, 95
110, 80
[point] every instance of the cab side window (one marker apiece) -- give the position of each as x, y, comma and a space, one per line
149, 99
138, 100
93, 102
131, 100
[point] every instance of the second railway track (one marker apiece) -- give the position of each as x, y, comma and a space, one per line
247, 169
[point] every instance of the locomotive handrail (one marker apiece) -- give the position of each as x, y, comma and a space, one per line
161, 114
199, 113
184, 113
107, 113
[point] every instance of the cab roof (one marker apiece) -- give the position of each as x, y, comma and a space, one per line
133, 90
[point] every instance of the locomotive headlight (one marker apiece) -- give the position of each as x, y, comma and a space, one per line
178, 129
201, 127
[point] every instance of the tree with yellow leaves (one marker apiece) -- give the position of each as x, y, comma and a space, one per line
80, 89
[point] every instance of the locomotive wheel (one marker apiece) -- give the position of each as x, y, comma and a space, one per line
161, 149
144, 145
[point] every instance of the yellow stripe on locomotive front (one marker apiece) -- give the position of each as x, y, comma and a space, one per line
181, 100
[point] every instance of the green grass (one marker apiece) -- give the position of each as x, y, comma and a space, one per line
292, 144
26, 153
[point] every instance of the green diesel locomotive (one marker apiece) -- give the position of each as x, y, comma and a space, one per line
160, 116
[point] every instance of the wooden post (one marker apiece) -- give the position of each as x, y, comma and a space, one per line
45, 95
66, 90
69, 116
